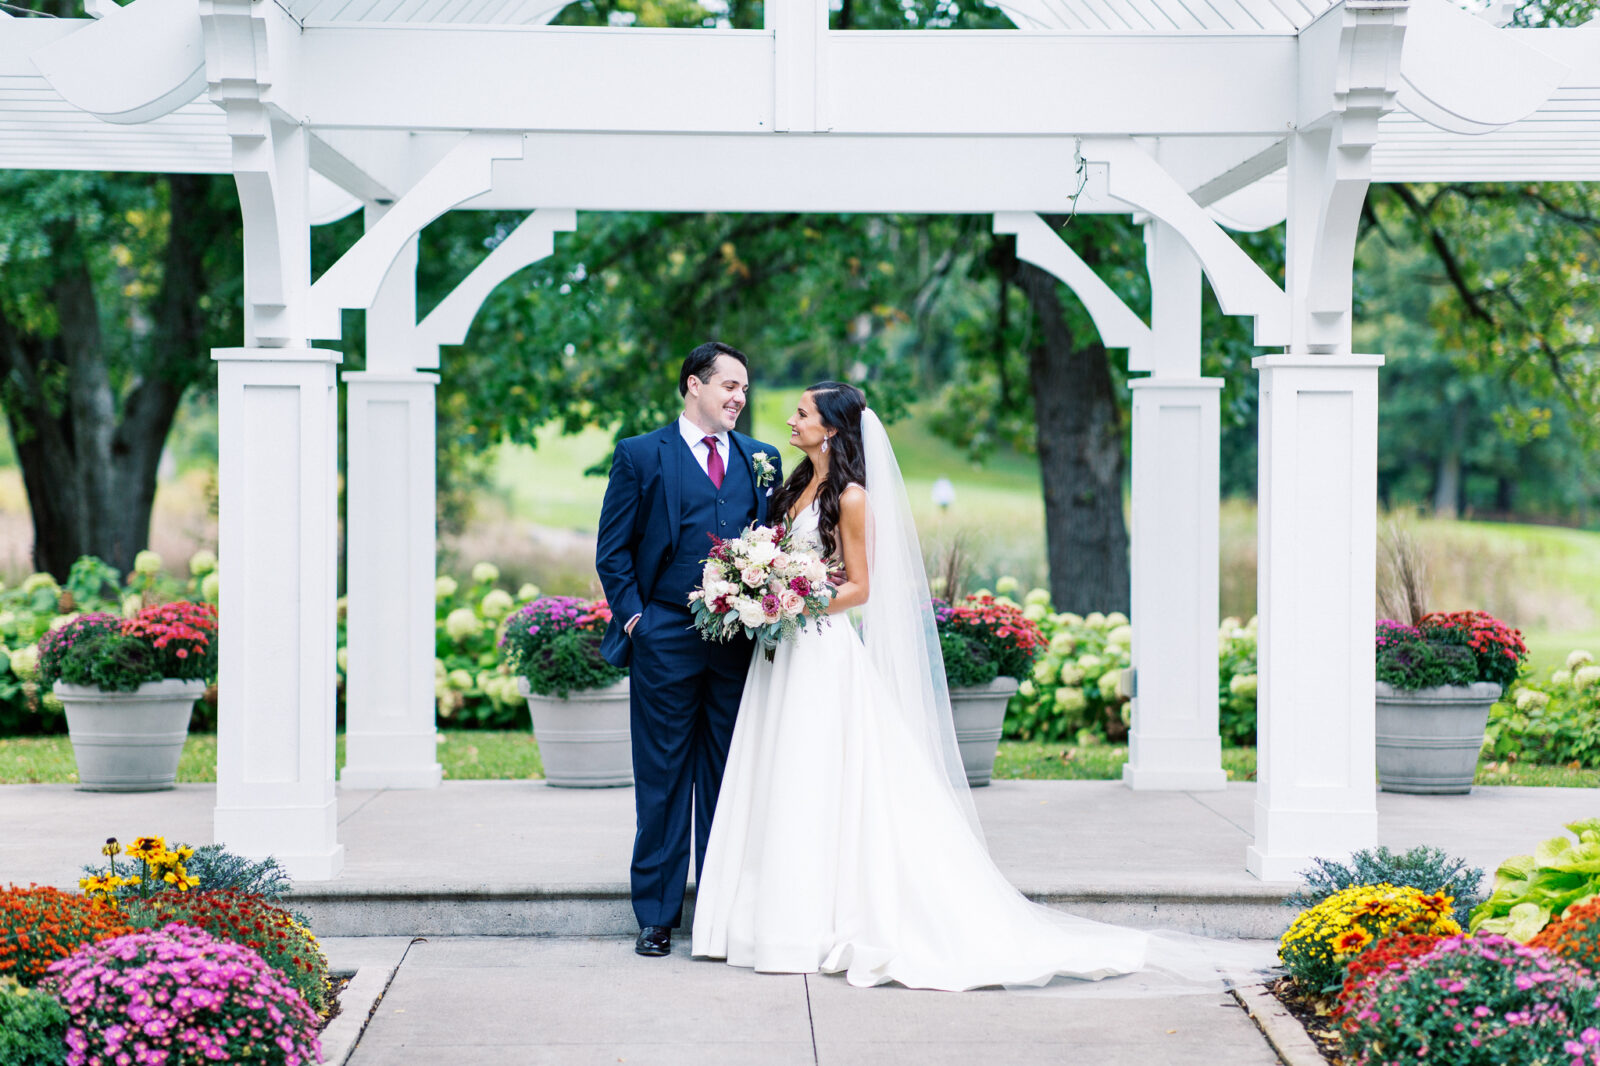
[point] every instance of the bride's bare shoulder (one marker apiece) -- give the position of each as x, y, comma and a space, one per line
853, 503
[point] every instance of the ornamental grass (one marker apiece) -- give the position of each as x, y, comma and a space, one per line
1477, 1001
1323, 939
250, 921
180, 997
41, 925
1575, 936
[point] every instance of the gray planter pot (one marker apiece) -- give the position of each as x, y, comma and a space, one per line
128, 741
980, 714
584, 740
1429, 739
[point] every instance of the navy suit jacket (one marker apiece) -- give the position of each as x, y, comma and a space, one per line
639, 520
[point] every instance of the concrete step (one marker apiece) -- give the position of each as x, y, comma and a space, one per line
349, 909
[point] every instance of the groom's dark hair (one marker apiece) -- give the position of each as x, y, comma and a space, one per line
703, 360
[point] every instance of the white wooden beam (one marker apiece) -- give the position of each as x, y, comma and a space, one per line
1118, 326
354, 280
986, 82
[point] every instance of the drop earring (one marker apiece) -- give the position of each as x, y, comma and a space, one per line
824, 445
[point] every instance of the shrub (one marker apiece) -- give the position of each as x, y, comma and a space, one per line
270, 931
1324, 938
1554, 722
1574, 936
39, 925
1074, 690
1531, 889
554, 642
33, 1026
999, 640
473, 687
1477, 1001
1236, 682
1428, 869
181, 992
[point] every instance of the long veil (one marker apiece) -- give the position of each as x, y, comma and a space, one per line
902, 642
898, 626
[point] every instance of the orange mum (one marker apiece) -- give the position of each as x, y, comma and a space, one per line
39, 925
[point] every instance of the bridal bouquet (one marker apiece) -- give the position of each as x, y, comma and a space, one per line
762, 584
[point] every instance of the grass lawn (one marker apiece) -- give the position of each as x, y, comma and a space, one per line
473, 755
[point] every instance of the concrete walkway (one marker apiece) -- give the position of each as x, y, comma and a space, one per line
580, 1001
520, 858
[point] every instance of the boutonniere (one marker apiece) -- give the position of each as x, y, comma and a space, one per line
761, 463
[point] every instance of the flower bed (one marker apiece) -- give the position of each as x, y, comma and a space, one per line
1518, 988
153, 965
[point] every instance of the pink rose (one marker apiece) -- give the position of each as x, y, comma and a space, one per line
791, 602
753, 576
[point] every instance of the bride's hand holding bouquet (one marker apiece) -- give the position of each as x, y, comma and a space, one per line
762, 584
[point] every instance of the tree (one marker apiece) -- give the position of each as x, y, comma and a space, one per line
115, 290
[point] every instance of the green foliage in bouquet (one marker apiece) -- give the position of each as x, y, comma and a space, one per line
1531, 890
474, 687
1424, 868
33, 1026
554, 642
1554, 722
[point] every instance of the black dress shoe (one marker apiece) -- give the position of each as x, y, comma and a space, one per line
654, 940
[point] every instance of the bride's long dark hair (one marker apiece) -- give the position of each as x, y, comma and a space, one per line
839, 405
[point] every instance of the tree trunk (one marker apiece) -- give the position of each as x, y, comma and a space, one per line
1079, 427
90, 475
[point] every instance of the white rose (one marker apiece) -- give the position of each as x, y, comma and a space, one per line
754, 576
710, 576
763, 553
750, 613
817, 572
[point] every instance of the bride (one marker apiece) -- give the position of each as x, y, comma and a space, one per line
845, 838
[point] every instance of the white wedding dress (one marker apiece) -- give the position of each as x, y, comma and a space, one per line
840, 846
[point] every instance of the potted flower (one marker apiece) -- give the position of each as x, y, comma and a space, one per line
577, 700
1436, 683
989, 646
129, 686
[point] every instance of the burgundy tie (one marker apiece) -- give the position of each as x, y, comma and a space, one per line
714, 466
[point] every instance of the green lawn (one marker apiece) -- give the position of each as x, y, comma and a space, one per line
471, 755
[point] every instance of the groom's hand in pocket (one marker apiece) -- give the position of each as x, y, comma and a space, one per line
628, 629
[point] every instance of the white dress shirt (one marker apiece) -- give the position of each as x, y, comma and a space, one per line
695, 438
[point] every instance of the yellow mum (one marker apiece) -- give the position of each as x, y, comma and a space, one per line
1324, 938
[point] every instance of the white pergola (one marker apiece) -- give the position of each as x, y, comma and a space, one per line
1191, 115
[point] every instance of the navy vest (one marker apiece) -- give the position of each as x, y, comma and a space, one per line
705, 509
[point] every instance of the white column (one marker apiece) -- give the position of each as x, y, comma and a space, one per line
390, 527
1174, 742
278, 424
1317, 532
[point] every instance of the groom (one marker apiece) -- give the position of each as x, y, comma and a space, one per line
670, 491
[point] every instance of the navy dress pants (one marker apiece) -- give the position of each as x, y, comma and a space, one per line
684, 693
